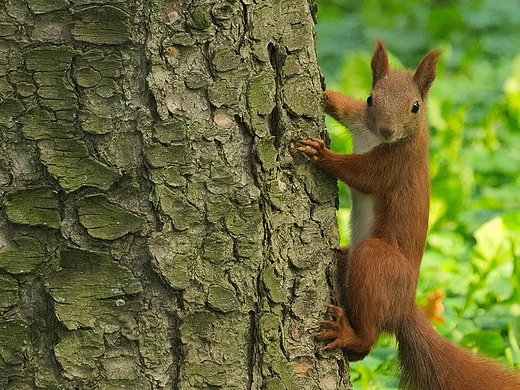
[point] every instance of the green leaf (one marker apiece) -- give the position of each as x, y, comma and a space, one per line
356, 77
491, 242
366, 375
512, 221
513, 332
488, 342
444, 19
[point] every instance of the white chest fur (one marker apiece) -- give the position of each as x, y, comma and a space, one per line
362, 214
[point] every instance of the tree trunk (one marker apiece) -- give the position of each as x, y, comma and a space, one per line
156, 231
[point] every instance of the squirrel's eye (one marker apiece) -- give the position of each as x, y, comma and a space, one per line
369, 101
415, 107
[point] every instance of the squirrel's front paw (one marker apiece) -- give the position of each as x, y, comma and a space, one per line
313, 148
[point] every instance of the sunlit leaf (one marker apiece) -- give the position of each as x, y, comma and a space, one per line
366, 374
491, 240
512, 221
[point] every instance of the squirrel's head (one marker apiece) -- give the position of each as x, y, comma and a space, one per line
397, 104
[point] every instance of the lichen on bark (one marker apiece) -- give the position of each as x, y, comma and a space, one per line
106, 220
34, 206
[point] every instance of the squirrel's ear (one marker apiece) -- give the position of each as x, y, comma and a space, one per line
379, 62
426, 72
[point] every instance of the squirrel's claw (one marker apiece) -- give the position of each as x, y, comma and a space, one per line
312, 147
337, 330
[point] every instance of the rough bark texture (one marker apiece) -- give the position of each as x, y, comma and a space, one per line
155, 230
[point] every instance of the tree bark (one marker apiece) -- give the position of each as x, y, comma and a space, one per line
156, 232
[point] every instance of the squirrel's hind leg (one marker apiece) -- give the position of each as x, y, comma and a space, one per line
378, 292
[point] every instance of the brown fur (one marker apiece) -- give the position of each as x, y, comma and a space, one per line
377, 277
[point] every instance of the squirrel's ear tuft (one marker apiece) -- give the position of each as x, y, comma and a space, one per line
426, 72
379, 62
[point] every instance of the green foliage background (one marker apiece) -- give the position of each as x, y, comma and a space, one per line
473, 248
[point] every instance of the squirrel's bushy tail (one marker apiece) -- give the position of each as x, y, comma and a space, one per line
431, 362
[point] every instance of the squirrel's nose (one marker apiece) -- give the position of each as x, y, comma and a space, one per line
386, 133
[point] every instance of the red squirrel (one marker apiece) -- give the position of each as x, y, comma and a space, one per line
377, 274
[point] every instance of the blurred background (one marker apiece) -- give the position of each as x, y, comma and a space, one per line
470, 277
